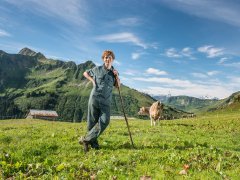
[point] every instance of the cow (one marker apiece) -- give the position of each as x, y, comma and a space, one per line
154, 112
144, 111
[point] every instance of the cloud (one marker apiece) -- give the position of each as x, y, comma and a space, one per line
184, 87
199, 75
197, 91
71, 11
223, 60
4, 33
131, 72
174, 53
211, 51
167, 81
135, 55
205, 75
212, 73
234, 81
187, 52
117, 62
234, 65
131, 21
124, 37
155, 71
218, 10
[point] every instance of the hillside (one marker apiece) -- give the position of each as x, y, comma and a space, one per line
232, 103
29, 80
188, 104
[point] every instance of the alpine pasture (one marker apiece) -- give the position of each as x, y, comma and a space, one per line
39, 149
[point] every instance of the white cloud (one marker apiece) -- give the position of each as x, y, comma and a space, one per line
223, 60
72, 11
199, 75
131, 21
211, 51
155, 71
117, 62
197, 91
131, 72
234, 65
4, 33
205, 75
135, 55
174, 53
185, 87
187, 52
212, 73
124, 37
235, 81
218, 10
166, 81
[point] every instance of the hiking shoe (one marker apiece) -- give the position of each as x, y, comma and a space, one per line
95, 145
84, 143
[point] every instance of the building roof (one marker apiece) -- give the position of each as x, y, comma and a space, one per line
36, 112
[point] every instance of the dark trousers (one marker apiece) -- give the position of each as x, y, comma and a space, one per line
97, 120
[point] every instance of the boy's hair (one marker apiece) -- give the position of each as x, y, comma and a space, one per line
108, 53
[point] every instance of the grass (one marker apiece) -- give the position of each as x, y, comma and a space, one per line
38, 149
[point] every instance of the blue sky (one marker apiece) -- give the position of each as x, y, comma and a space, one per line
176, 47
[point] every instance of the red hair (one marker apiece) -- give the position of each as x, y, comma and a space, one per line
108, 53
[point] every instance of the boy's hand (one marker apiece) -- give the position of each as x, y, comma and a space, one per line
117, 84
115, 72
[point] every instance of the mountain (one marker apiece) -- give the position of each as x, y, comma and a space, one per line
28, 52
186, 103
232, 103
29, 80
13, 69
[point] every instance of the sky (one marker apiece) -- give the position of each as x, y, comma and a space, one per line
162, 47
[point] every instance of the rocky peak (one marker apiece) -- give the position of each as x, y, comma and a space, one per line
28, 52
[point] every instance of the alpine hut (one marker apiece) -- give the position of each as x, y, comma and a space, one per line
42, 114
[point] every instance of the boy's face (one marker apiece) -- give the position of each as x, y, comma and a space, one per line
108, 60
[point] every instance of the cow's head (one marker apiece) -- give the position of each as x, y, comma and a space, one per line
143, 111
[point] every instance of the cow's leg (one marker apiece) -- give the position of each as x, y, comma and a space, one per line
154, 122
151, 121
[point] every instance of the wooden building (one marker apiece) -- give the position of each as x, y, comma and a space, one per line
42, 114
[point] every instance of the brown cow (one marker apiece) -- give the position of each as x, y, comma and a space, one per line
154, 112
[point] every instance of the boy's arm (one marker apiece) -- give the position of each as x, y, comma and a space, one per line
86, 75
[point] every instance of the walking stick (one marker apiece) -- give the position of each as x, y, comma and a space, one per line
119, 92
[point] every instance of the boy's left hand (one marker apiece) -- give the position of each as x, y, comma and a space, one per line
115, 72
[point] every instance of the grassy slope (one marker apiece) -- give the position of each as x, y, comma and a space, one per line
42, 149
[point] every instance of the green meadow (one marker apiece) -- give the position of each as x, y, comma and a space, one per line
39, 149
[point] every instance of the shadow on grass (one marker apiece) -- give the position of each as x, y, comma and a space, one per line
128, 146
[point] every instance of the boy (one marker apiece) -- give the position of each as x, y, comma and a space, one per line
103, 78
